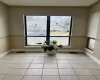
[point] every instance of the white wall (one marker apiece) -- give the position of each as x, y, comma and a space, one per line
93, 25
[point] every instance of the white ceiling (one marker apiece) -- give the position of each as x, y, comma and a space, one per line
49, 2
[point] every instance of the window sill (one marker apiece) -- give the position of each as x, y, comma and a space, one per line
40, 47
32, 46
88, 50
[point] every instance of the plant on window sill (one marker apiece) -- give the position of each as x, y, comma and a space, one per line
51, 47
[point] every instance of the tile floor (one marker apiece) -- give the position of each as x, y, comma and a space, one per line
39, 66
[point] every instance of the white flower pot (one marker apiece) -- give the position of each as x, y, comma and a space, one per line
51, 53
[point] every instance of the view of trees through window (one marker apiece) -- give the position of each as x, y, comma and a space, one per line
37, 29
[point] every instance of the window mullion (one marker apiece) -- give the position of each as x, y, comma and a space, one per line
48, 28
25, 30
70, 32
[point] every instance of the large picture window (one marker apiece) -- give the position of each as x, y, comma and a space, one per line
47, 28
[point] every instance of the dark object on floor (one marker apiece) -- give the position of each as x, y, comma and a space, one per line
73, 52
20, 52
39, 43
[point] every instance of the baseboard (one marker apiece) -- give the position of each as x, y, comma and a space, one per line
41, 50
90, 51
92, 57
28, 50
4, 54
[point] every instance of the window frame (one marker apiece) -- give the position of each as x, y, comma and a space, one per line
88, 40
47, 31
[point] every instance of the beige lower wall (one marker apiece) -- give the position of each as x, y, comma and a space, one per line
4, 44
77, 43
17, 42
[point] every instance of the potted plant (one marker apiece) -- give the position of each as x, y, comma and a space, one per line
51, 47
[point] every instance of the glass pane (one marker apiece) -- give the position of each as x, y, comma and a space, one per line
36, 25
60, 25
91, 44
61, 40
35, 40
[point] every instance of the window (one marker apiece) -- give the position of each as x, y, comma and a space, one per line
47, 28
91, 43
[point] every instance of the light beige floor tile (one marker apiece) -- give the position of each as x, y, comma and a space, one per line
87, 78
50, 66
9, 61
50, 72
25, 61
6, 65
1, 77
60, 55
61, 58
78, 65
38, 61
83, 72
39, 54
12, 77
34, 72
23, 58
76, 61
50, 78
6, 58
62, 61
98, 77
21, 65
93, 66
21, 61
27, 58
39, 58
95, 71
32, 78
36, 66
18, 71
4, 71
53, 61
69, 78
88, 61
64, 66
66, 72
50, 57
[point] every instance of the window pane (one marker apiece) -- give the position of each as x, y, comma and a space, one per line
60, 40
35, 40
36, 25
91, 44
60, 25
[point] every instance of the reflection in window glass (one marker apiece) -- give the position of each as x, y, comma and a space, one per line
36, 25
60, 25
60, 40
35, 40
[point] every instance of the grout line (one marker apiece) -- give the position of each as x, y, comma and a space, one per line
73, 69
43, 68
93, 74
5, 75
58, 68
27, 69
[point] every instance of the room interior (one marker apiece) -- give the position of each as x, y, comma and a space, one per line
84, 39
